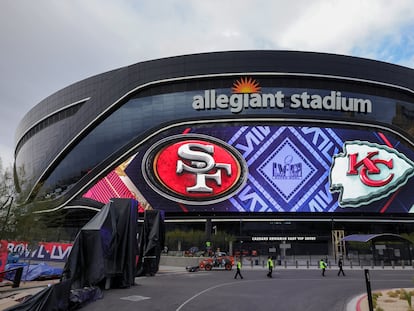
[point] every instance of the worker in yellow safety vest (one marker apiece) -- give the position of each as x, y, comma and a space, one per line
270, 266
238, 269
322, 266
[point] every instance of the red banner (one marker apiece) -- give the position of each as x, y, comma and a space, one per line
3, 257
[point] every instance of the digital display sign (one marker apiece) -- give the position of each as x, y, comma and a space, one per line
289, 169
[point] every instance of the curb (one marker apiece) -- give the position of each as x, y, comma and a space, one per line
358, 305
355, 303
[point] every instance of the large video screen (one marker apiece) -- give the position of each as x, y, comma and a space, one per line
268, 168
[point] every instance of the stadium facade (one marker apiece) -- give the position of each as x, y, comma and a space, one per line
276, 147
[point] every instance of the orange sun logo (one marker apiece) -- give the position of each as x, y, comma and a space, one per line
246, 85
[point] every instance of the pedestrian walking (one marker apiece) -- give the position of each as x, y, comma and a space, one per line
322, 266
341, 270
270, 266
238, 269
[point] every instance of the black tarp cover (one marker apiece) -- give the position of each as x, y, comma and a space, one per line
52, 298
151, 242
105, 248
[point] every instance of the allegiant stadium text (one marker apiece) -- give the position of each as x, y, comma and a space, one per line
239, 101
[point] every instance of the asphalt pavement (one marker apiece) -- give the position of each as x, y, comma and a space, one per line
173, 288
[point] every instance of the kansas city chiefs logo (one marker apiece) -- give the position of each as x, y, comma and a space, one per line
366, 172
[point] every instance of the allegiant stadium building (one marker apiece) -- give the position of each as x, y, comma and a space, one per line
276, 147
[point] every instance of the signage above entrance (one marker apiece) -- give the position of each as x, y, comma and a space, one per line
284, 238
246, 94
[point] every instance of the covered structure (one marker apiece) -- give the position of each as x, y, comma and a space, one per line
387, 248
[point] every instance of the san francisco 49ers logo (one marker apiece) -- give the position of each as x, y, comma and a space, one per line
194, 169
366, 172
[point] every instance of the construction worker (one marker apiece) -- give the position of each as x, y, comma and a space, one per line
269, 266
341, 270
238, 268
322, 266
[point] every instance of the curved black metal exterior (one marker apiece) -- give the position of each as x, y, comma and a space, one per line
52, 132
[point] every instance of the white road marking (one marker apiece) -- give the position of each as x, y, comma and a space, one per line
135, 298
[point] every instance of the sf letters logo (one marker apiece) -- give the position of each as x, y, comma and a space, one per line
194, 169
369, 166
202, 165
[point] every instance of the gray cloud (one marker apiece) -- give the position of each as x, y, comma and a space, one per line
47, 45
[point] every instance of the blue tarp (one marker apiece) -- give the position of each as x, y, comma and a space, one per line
34, 272
13, 258
369, 237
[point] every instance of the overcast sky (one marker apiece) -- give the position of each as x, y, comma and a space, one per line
47, 45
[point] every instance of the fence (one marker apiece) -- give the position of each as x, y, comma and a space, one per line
295, 262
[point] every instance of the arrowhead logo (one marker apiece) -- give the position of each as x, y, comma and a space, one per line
366, 172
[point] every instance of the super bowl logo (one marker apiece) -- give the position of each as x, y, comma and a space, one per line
366, 172
287, 169
194, 169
